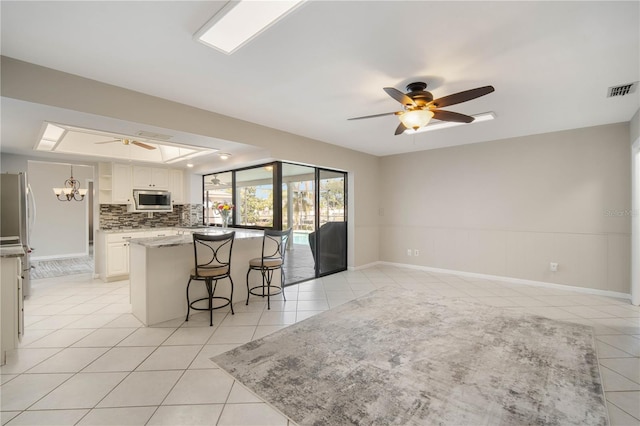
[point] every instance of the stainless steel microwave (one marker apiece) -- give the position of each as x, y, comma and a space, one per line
146, 200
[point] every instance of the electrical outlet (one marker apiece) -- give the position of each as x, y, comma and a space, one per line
553, 267
416, 252
408, 252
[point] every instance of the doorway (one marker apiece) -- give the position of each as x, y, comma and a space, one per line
90, 221
635, 223
298, 213
329, 241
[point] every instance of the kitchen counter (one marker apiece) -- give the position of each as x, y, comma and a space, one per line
160, 268
160, 228
112, 245
11, 251
177, 240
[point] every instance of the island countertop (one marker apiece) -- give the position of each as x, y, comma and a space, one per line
178, 240
11, 251
157, 228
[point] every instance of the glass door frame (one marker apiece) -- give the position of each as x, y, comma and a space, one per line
277, 202
318, 171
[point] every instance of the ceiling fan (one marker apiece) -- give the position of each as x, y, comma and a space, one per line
128, 142
217, 182
420, 107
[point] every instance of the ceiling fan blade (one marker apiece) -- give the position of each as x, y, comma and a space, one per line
143, 145
451, 116
375, 115
399, 96
459, 97
100, 143
400, 129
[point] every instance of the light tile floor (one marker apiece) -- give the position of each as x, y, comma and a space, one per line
86, 360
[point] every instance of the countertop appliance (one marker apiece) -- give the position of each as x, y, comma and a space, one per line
17, 217
150, 201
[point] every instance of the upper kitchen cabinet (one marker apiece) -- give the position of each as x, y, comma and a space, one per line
121, 191
117, 182
176, 186
114, 183
150, 177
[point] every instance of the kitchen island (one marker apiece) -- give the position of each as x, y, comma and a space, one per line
160, 269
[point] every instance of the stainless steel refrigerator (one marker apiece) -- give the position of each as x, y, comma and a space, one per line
17, 217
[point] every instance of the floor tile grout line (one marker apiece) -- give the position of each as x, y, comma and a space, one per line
621, 375
622, 409
226, 400
166, 396
616, 347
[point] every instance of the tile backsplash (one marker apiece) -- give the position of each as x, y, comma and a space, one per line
116, 216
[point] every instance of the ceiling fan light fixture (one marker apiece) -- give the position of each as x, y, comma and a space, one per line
417, 118
437, 125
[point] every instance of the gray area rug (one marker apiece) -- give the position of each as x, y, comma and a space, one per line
404, 358
61, 267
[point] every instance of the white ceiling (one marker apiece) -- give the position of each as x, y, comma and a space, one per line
550, 63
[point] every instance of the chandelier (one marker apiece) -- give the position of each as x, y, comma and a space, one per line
71, 190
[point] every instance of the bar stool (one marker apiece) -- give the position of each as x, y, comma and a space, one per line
274, 249
212, 254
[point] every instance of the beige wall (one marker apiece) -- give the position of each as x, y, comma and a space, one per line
32, 83
635, 126
504, 208
511, 207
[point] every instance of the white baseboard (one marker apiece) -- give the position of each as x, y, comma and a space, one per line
368, 265
598, 292
58, 256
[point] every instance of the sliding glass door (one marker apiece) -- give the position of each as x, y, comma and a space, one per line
331, 235
309, 200
298, 213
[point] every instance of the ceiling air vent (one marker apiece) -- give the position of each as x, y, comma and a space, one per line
151, 135
623, 89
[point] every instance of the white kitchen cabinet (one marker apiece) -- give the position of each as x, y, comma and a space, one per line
176, 186
112, 251
117, 259
11, 296
105, 183
115, 183
112, 254
121, 192
150, 178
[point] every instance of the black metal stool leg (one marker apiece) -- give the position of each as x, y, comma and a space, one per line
269, 277
210, 290
188, 304
282, 284
231, 296
248, 291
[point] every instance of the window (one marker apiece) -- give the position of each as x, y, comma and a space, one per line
218, 189
254, 197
